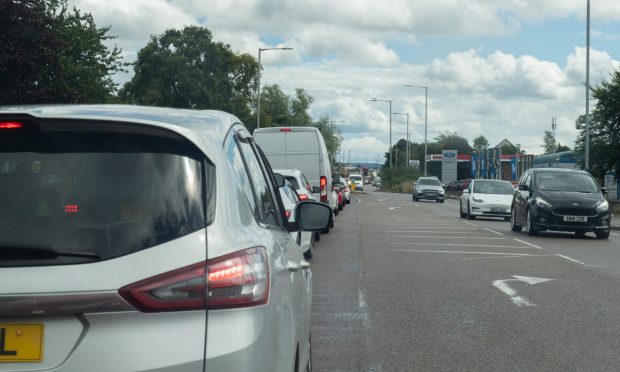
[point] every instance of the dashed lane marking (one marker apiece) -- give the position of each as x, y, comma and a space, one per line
461, 252
530, 244
493, 231
570, 259
459, 245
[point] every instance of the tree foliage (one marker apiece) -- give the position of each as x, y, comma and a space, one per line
51, 54
452, 141
549, 144
604, 128
188, 69
331, 135
481, 143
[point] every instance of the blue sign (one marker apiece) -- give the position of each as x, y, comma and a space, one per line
474, 165
513, 167
483, 164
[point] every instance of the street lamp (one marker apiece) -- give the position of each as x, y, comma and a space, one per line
425, 122
390, 102
260, 50
587, 146
408, 153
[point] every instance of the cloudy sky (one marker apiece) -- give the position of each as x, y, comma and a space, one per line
501, 68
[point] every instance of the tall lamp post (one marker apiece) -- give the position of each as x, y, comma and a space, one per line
425, 121
390, 102
408, 153
587, 146
260, 50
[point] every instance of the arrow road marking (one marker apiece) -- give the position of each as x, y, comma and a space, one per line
518, 300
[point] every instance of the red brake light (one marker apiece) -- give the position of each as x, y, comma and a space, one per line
323, 183
240, 279
10, 125
71, 208
287, 214
285, 129
303, 197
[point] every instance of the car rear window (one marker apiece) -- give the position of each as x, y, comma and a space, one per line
293, 182
95, 195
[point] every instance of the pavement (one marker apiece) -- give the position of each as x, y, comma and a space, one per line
404, 286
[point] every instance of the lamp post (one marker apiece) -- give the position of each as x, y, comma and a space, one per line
408, 153
260, 50
425, 121
390, 102
587, 146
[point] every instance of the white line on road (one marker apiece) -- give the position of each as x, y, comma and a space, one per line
511, 256
460, 245
530, 244
493, 231
434, 232
458, 252
391, 208
445, 237
570, 259
614, 234
469, 223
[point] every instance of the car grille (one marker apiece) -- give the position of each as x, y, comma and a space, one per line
429, 192
574, 212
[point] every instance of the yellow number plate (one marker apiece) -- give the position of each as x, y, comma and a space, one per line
21, 342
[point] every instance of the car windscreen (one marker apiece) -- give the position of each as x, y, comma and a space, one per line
565, 181
293, 182
75, 197
429, 182
355, 178
493, 187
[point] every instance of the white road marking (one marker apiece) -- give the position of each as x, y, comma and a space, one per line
493, 231
461, 245
434, 232
511, 256
469, 223
530, 244
391, 208
614, 234
518, 300
459, 252
363, 305
570, 259
444, 237
381, 200
417, 205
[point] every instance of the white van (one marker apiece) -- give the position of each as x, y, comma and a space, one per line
300, 148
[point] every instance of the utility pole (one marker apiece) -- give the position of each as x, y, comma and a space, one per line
587, 147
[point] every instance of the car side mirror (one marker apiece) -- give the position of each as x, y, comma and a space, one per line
316, 189
313, 216
280, 181
524, 187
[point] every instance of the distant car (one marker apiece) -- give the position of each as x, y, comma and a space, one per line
429, 188
560, 199
375, 181
357, 180
298, 181
147, 239
486, 198
305, 239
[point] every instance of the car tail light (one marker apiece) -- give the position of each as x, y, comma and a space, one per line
323, 183
240, 279
10, 125
303, 197
308, 187
287, 213
285, 129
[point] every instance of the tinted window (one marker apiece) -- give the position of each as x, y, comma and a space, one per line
266, 205
557, 181
493, 187
293, 182
236, 161
105, 194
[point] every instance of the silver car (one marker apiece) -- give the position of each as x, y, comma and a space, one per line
290, 199
146, 239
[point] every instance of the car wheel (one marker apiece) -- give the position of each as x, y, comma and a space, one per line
463, 215
310, 252
602, 234
317, 236
513, 221
531, 230
442, 200
580, 234
506, 218
469, 215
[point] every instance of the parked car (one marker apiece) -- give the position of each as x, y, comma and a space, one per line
290, 199
346, 191
486, 198
300, 148
298, 181
560, 199
147, 239
429, 188
358, 181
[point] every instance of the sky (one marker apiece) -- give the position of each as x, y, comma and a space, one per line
498, 68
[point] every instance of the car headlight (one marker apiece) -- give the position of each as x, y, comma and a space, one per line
543, 203
441, 192
477, 199
602, 206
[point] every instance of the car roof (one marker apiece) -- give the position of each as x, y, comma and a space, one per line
288, 172
558, 170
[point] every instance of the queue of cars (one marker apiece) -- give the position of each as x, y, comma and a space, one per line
544, 199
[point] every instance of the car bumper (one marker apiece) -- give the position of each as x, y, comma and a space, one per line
430, 196
490, 210
545, 219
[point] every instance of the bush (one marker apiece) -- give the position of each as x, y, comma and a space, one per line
398, 179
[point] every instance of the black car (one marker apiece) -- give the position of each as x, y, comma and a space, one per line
560, 200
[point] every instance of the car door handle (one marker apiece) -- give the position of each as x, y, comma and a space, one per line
305, 264
292, 266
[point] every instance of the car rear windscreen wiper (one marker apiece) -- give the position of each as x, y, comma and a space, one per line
22, 252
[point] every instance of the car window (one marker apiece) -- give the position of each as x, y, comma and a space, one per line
493, 187
290, 194
293, 182
305, 182
266, 206
557, 181
429, 182
100, 193
233, 154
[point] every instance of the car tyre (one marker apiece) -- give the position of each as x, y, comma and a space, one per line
602, 234
463, 215
531, 230
469, 215
513, 221
317, 236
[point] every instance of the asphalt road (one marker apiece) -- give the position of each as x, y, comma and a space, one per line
408, 286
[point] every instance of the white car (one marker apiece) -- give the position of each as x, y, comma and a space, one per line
346, 191
305, 239
487, 198
298, 181
358, 180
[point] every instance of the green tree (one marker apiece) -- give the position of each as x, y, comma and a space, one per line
331, 135
604, 128
509, 150
275, 107
51, 54
561, 148
481, 143
549, 144
188, 69
452, 141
